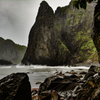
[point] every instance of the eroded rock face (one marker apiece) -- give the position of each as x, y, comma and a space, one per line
91, 89
91, 72
59, 83
49, 95
15, 87
62, 37
10, 51
43, 46
96, 29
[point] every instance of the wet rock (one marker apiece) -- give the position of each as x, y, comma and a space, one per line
45, 95
54, 95
91, 72
38, 82
35, 97
92, 68
83, 72
74, 76
82, 81
68, 72
91, 89
59, 83
67, 95
34, 91
15, 87
49, 95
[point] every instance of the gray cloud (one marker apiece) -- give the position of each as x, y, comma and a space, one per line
18, 16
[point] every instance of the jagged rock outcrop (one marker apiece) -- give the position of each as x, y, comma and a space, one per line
75, 29
44, 46
10, 51
63, 37
59, 83
96, 29
90, 90
15, 87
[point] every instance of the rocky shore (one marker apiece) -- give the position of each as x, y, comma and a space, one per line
75, 86
82, 86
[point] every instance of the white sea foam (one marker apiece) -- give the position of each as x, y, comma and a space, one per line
45, 67
51, 67
5, 67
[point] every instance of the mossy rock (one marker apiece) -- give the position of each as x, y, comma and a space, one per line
91, 90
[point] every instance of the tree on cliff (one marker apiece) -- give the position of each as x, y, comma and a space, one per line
96, 28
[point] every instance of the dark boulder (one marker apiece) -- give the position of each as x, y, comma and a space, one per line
83, 72
15, 87
90, 90
91, 72
59, 83
92, 68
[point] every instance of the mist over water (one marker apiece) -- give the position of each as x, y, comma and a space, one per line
18, 16
38, 73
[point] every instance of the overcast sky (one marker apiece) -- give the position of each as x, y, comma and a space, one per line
18, 16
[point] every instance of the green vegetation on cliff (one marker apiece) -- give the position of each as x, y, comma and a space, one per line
10, 51
76, 31
61, 38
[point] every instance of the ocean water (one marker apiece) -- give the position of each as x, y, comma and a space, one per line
38, 73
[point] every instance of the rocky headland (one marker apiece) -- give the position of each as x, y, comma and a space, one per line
10, 52
62, 37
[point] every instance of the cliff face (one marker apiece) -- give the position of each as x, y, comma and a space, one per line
75, 29
11, 51
43, 46
63, 37
96, 28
